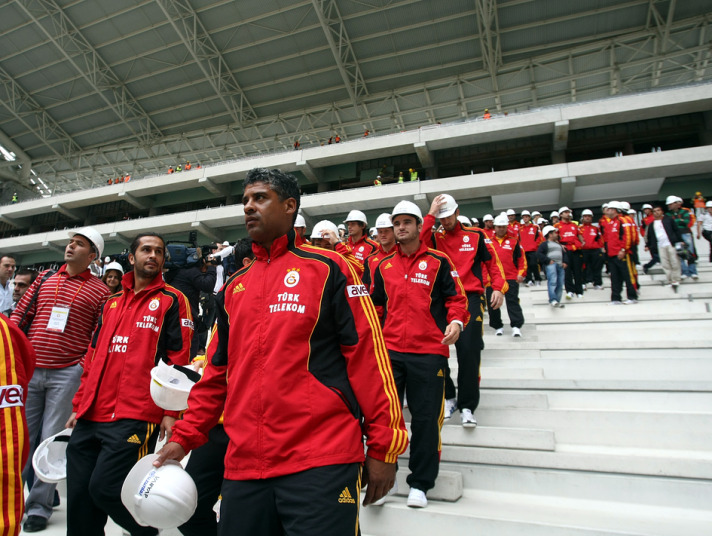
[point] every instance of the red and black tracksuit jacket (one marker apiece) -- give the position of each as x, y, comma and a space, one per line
301, 369
134, 332
592, 237
511, 255
568, 235
420, 295
530, 237
363, 248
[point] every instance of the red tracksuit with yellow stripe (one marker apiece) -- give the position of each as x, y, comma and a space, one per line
362, 248
511, 255
17, 363
308, 374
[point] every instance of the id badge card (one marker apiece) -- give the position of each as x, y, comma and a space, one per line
58, 319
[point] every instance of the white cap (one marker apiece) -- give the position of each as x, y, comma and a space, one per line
547, 229
647, 205
163, 497
501, 219
678, 199
510, 212
372, 231
625, 205
464, 220
671, 199
488, 217
171, 385
542, 221
586, 212
631, 211
525, 213
300, 221
475, 220
384, 221
356, 215
114, 266
708, 204
50, 457
323, 225
564, 209
341, 227
535, 213
449, 208
604, 205
92, 235
407, 207
615, 205
226, 243
554, 214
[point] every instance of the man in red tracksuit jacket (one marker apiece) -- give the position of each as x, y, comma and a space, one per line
511, 255
115, 420
529, 238
302, 374
592, 250
424, 311
570, 238
620, 264
472, 254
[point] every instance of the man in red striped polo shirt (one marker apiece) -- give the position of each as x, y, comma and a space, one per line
59, 323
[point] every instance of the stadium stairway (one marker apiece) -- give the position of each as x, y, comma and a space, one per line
598, 421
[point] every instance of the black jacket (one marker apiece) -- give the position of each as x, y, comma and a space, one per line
670, 228
191, 281
542, 253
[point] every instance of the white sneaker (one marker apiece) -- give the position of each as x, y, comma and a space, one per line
554, 303
417, 499
598, 287
569, 295
382, 500
516, 332
630, 302
561, 306
468, 419
499, 332
695, 277
683, 276
584, 286
579, 295
450, 407
530, 283
616, 302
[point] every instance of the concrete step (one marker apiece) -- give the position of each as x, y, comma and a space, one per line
509, 514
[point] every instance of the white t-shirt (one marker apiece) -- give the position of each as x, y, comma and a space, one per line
660, 234
706, 220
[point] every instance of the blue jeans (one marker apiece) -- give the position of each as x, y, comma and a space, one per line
688, 268
49, 405
555, 281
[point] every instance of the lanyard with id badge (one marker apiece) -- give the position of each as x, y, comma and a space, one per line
60, 314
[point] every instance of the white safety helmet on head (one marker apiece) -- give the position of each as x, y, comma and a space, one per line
300, 221
384, 221
475, 220
50, 458
321, 226
547, 229
525, 213
356, 215
464, 220
163, 497
604, 206
624, 205
93, 236
631, 211
646, 205
614, 205
535, 213
554, 215
488, 217
708, 204
449, 208
510, 212
407, 207
501, 219
114, 266
564, 209
671, 199
171, 385
586, 212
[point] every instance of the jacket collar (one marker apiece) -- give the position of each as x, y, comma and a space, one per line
421, 249
128, 282
280, 246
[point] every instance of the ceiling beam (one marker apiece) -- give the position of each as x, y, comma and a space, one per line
488, 31
207, 56
205, 230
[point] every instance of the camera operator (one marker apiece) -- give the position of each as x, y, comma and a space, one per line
217, 257
191, 281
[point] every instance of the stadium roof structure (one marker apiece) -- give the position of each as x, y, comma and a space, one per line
93, 89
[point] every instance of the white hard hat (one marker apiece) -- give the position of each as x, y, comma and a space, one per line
341, 227
678, 199
384, 221
107, 259
501, 219
625, 205
614, 205
464, 220
547, 229
408, 207
50, 458
542, 221
554, 214
372, 231
708, 204
586, 212
510, 212
564, 209
299, 221
488, 217
92, 235
163, 497
357, 215
171, 385
525, 213
631, 211
114, 266
323, 225
475, 220
535, 213
647, 205
671, 199
226, 243
604, 205
449, 208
